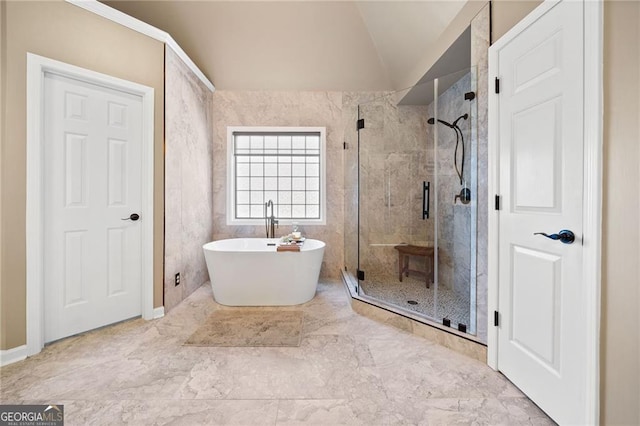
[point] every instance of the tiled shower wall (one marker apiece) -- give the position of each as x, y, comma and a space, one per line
188, 179
350, 201
396, 156
455, 240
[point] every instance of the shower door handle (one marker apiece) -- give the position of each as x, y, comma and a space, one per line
425, 200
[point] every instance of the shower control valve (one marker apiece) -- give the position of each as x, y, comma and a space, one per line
464, 196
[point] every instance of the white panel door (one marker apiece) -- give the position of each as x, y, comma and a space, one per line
541, 338
92, 180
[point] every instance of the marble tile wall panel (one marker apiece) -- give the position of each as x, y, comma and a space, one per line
454, 239
188, 179
349, 116
463, 243
248, 108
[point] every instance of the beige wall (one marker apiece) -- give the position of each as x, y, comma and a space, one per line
3, 61
296, 45
506, 13
457, 26
620, 366
64, 32
620, 352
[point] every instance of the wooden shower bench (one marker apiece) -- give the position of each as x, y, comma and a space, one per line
405, 251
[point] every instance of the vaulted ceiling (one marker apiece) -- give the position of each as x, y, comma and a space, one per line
300, 45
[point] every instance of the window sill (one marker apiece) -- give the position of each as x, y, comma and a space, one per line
281, 222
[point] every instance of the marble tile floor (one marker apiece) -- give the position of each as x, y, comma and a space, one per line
348, 369
450, 304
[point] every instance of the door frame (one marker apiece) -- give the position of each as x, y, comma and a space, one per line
37, 66
592, 191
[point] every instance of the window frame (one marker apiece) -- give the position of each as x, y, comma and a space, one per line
231, 174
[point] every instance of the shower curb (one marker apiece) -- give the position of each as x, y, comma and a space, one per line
434, 333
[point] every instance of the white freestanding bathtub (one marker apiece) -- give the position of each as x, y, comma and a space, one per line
250, 272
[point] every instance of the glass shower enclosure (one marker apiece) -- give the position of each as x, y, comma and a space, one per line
415, 202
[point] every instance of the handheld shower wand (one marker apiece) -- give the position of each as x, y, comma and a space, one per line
465, 193
459, 137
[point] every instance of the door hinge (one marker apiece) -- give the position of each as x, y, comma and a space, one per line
344, 145
496, 318
497, 85
360, 275
360, 124
497, 202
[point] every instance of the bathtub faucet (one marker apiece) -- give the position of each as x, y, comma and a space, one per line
270, 222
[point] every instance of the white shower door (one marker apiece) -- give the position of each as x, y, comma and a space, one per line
92, 194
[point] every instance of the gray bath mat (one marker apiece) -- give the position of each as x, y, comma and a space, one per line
249, 327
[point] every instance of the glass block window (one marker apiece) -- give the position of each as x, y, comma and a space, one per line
281, 165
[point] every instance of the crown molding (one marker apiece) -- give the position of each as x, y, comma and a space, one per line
141, 27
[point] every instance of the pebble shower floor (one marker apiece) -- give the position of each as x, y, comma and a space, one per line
389, 289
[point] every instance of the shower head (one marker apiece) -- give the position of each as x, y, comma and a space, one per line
462, 117
452, 126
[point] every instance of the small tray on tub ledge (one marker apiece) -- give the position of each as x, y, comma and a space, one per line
289, 240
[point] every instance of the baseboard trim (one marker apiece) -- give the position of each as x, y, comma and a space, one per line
9, 356
158, 312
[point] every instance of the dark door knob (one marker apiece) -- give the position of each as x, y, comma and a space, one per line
133, 217
565, 236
